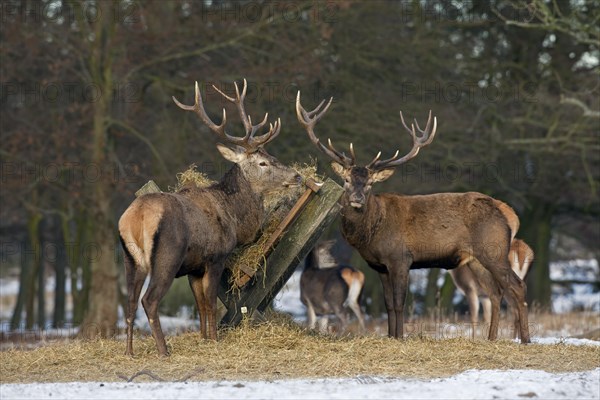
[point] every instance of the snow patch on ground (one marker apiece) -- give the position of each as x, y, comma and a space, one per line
472, 384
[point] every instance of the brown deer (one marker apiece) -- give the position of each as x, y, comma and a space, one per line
474, 281
191, 232
395, 233
328, 288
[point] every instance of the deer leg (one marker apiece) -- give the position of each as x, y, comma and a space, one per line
516, 298
159, 284
135, 281
515, 289
311, 316
352, 299
198, 290
512, 312
486, 304
399, 280
473, 300
339, 312
388, 296
210, 282
356, 310
323, 323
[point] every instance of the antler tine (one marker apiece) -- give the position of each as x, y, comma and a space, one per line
352, 153
309, 120
249, 142
198, 108
239, 103
341, 155
258, 126
261, 140
426, 126
426, 138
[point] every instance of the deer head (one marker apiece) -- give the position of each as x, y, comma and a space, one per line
358, 180
263, 171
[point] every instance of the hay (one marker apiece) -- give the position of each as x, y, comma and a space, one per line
191, 177
279, 349
277, 204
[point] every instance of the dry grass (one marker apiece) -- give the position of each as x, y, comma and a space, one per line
281, 349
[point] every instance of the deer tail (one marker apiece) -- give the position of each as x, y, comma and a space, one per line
138, 231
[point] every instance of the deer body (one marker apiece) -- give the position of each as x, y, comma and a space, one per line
191, 232
395, 233
329, 290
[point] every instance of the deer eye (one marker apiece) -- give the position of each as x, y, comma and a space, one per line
262, 164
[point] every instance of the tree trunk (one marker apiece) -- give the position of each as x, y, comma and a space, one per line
431, 291
34, 261
41, 280
101, 317
15, 321
60, 265
536, 231
446, 296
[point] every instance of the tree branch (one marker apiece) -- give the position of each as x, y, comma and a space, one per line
587, 112
140, 136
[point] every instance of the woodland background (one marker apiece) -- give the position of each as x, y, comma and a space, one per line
87, 118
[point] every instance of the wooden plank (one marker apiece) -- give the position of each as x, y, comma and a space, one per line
296, 242
312, 187
149, 187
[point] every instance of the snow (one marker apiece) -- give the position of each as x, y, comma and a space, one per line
472, 384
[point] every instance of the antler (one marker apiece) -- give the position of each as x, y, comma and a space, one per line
248, 142
426, 138
309, 120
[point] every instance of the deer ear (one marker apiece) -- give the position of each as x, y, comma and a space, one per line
338, 168
235, 154
382, 175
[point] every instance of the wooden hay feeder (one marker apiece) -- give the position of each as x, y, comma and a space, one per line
291, 241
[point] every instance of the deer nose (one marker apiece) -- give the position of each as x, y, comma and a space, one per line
295, 181
357, 200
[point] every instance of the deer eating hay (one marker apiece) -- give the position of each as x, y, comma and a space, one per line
191, 232
395, 233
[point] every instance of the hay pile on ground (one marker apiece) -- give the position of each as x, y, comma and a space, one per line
280, 349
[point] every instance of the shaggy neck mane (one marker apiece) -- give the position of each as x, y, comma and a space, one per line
360, 225
246, 206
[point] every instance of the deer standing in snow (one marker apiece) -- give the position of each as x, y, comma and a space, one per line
328, 288
191, 232
395, 233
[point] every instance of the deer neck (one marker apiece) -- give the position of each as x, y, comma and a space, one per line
244, 206
359, 226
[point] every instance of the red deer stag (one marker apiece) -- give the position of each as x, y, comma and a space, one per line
328, 288
191, 232
395, 233
474, 281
